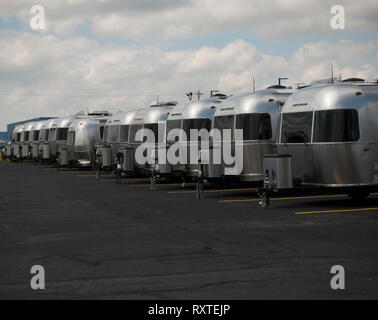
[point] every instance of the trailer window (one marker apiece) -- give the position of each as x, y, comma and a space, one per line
26, 136
196, 124
133, 131
102, 128
35, 135
173, 125
113, 133
336, 126
18, 137
255, 126
225, 123
61, 134
154, 127
124, 133
297, 127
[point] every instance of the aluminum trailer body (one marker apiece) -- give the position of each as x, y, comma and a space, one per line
83, 135
330, 131
256, 114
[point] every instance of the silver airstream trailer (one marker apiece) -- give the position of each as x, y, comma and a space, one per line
256, 114
110, 152
155, 120
34, 139
327, 138
44, 145
174, 124
25, 143
16, 142
83, 136
58, 136
152, 118
197, 116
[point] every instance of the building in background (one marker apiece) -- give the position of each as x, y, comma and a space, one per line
6, 136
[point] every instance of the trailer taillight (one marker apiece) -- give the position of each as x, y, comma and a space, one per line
271, 100
358, 93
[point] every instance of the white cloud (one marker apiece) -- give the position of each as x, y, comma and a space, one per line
59, 76
165, 19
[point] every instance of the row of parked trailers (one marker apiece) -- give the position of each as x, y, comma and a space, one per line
321, 136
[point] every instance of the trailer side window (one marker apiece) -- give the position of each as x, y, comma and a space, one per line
196, 124
61, 134
255, 126
133, 131
172, 125
336, 126
18, 138
113, 133
225, 123
124, 133
297, 127
154, 127
35, 135
102, 128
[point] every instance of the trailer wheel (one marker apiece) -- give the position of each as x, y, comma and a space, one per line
358, 195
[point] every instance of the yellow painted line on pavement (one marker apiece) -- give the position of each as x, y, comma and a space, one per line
284, 199
214, 191
337, 211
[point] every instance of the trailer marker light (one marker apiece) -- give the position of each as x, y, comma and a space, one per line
366, 150
271, 100
212, 107
368, 181
358, 93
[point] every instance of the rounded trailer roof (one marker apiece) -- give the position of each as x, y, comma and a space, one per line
64, 122
157, 114
121, 118
19, 128
329, 97
177, 112
37, 125
203, 109
28, 126
48, 124
262, 101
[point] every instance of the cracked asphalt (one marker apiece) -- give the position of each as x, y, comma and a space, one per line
100, 240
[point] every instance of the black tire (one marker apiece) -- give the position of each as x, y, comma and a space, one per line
358, 195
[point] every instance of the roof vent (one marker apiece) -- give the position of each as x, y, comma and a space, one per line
277, 87
220, 96
354, 80
164, 104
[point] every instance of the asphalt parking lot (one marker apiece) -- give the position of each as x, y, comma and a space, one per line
100, 240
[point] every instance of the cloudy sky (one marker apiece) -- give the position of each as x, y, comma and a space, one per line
123, 54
